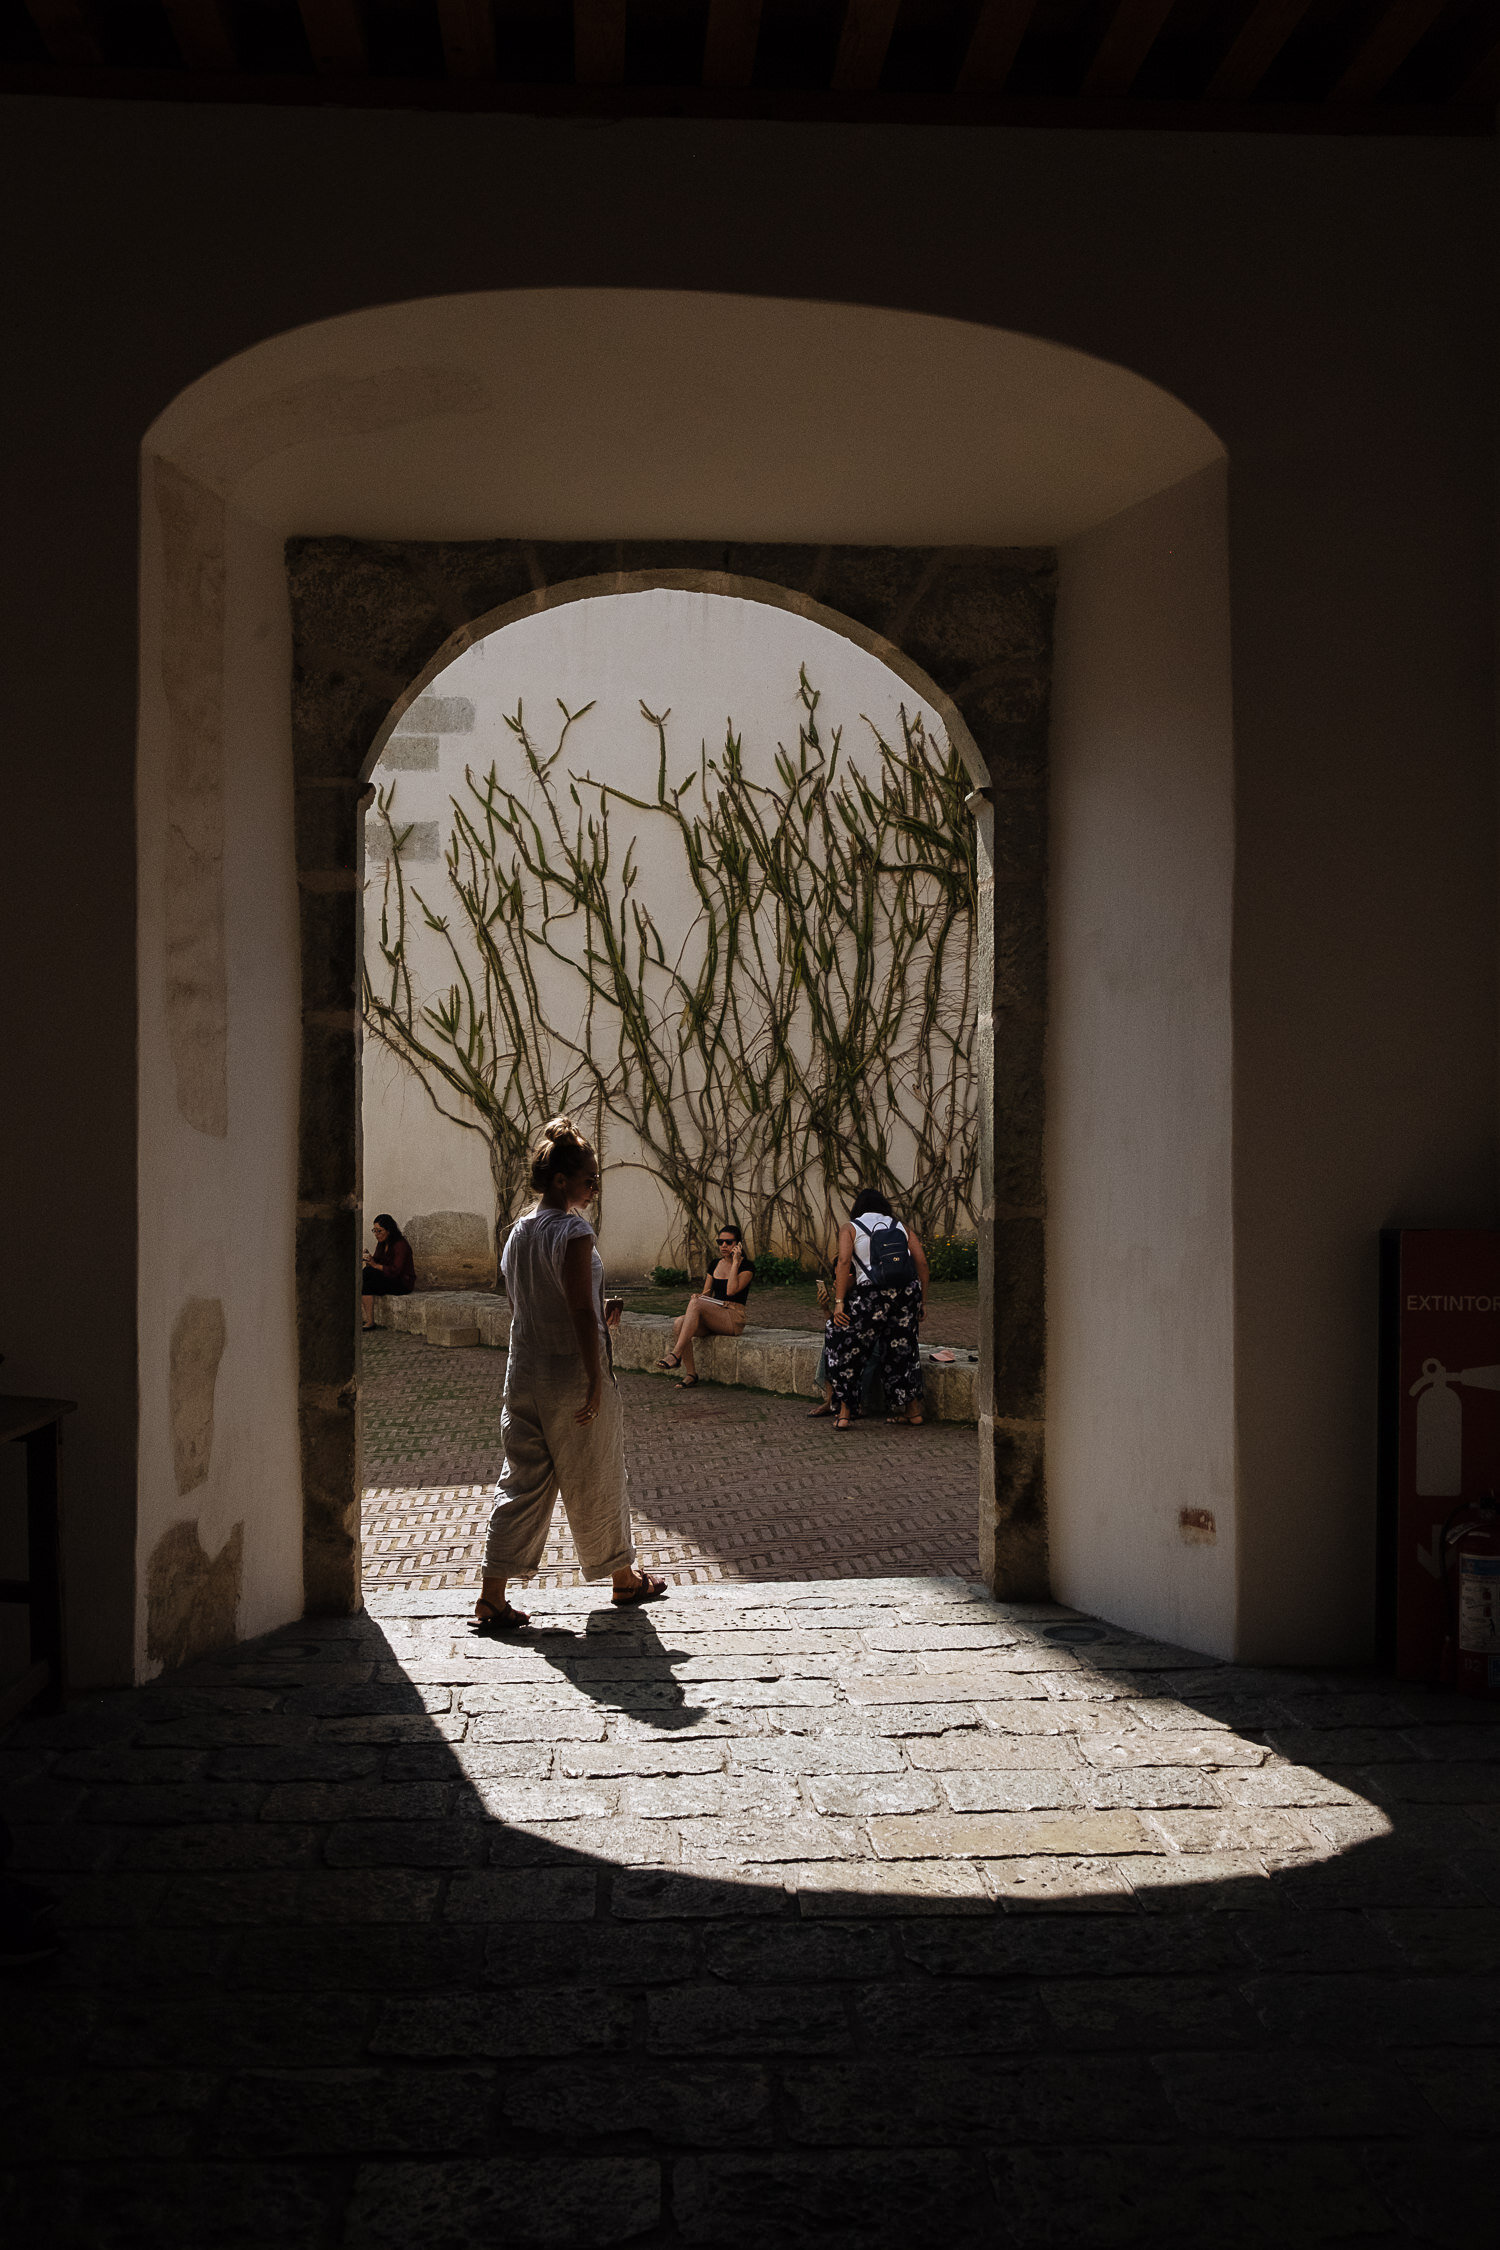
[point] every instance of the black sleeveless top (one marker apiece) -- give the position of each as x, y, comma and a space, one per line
719, 1286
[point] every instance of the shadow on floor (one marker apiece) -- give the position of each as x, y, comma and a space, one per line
689, 1926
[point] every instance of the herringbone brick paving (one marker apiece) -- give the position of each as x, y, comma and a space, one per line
723, 1483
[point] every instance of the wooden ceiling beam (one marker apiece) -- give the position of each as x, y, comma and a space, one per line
863, 43
599, 42
201, 30
1129, 37
66, 33
335, 36
306, 89
996, 41
730, 41
1386, 49
1260, 39
468, 30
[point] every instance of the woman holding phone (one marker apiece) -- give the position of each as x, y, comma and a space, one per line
561, 1424
719, 1308
388, 1268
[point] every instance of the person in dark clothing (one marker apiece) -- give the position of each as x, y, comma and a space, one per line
877, 1314
389, 1271
720, 1307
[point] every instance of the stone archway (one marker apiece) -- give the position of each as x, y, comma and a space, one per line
971, 628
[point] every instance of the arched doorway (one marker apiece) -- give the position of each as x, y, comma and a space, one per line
758, 433
978, 616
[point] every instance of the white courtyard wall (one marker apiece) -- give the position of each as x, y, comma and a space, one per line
1140, 1248
705, 659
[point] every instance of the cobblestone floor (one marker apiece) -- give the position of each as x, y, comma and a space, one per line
724, 1483
866, 1916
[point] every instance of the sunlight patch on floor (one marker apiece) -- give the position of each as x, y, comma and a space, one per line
854, 1742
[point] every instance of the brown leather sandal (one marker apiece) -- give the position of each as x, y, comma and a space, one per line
505, 1619
647, 1591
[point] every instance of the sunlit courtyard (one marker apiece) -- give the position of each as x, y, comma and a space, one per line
724, 1483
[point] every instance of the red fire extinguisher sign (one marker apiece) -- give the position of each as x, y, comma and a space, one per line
1440, 1423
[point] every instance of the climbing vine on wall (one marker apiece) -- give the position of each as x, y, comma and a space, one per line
809, 1034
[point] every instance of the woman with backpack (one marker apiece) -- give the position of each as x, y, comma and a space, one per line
879, 1299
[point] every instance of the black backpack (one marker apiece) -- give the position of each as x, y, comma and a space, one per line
891, 1262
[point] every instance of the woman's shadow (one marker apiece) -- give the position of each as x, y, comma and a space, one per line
621, 1662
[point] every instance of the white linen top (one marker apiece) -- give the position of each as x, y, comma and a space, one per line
532, 1264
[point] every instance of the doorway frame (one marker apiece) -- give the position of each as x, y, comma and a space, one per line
969, 628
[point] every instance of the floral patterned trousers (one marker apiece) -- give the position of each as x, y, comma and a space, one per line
884, 1321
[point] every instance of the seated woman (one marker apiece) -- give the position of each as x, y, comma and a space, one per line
389, 1271
720, 1309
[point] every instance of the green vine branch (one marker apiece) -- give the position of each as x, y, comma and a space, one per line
811, 1032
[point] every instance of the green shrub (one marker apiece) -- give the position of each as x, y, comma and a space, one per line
951, 1258
775, 1273
671, 1277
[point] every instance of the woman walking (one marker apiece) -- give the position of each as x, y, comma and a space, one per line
720, 1308
879, 1298
561, 1423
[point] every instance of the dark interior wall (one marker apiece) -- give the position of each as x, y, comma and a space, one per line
67, 993
1324, 305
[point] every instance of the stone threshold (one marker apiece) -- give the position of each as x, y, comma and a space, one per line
761, 1359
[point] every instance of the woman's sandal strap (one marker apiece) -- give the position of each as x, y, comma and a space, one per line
505, 1619
648, 1588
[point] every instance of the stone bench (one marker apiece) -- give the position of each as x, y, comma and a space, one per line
762, 1359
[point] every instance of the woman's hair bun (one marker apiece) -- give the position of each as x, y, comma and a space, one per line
559, 1147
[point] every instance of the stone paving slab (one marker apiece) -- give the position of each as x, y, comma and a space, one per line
560, 1952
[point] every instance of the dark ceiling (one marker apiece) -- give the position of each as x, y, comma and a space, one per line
1309, 65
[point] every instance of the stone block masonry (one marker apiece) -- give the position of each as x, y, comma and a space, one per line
762, 1359
410, 753
422, 841
650, 1926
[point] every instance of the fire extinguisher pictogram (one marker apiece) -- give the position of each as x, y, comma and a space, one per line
1471, 1598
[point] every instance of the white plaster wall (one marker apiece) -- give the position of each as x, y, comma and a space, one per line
1140, 1272
706, 659
415, 1161
216, 1214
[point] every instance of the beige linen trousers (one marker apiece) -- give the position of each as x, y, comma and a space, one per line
547, 1452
